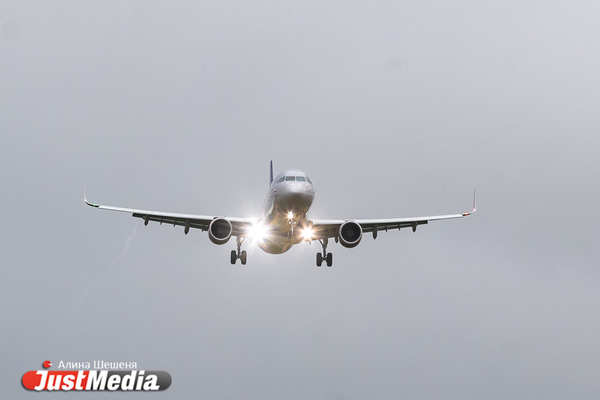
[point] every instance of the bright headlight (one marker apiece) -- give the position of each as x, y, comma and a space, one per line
307, 234
257, 232
290, 215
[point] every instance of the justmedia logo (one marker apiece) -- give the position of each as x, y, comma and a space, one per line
95, 380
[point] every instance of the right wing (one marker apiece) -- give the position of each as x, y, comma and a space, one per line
239, 225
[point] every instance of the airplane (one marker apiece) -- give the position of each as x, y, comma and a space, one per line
284, 221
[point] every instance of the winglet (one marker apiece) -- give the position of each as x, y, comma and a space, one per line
474, 204
87, 202
271, 181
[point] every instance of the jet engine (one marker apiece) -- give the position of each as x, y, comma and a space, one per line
219, 231
350, 234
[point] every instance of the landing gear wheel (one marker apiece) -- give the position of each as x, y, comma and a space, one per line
244, 257
329, 259
325, 255
233, 256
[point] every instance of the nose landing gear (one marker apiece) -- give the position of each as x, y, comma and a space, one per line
325, 256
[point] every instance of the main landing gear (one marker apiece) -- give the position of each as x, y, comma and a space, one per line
325, 256
242, 255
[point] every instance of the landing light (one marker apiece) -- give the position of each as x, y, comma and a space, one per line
257, 232
290, 215
307, 234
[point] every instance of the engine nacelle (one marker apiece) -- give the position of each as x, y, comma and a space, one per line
350, 234
219, 231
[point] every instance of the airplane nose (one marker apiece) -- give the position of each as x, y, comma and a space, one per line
296, 196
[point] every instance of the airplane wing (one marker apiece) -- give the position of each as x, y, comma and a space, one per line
330, 228
188, 221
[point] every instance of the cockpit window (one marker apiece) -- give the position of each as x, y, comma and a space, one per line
309, 181
300, 178
280, 179
290, 178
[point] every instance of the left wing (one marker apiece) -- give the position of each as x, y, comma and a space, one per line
239, 225
330, 228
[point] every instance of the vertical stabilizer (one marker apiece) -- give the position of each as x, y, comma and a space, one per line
271, 181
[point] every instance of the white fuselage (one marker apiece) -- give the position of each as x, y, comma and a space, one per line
284, 210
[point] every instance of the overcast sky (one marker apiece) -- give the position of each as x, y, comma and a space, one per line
393, 108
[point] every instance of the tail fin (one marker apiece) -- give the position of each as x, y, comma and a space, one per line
271, 181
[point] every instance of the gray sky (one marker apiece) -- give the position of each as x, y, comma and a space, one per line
393, 108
